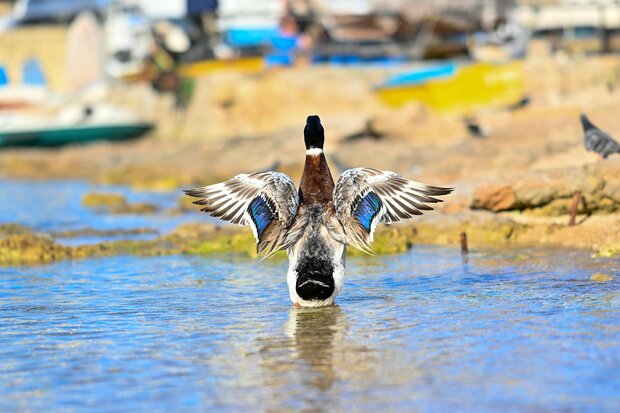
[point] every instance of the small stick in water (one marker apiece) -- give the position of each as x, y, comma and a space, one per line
573, 208
464, 249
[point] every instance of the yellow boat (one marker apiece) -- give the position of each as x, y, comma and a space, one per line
456, 88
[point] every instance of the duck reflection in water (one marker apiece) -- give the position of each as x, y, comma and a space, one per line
307, 352
317, 334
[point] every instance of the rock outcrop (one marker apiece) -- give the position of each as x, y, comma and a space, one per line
549, 192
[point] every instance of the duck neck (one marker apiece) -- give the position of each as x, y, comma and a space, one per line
317, 184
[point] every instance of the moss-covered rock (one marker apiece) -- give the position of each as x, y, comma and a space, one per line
136, 208
607, 251
389, 240
601, 278
91, 232
113, 203
20, 245
14, 229
482, 228
103, 200
31, 248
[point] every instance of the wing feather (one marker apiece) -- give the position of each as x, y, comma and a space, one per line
364, 197
265, 201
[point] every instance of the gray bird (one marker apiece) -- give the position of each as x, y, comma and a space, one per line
595, 140
316, 224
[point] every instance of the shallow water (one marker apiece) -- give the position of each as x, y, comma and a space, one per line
57, 206
420, 331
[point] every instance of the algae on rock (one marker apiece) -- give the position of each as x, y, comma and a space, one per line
113, 203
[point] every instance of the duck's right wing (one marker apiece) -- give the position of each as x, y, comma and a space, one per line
266, 201
365, 196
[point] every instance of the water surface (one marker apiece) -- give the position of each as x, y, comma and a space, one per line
421, 331
56, 206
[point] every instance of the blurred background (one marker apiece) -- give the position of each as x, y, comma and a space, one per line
483, 95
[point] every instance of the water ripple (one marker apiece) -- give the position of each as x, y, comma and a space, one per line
415, 332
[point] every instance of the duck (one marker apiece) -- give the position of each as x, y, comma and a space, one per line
316, 223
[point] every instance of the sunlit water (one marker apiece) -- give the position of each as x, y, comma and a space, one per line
57, 206
414, 332
422, 331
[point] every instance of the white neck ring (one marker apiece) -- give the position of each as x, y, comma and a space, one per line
314, 151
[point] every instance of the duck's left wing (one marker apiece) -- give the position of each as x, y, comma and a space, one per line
365, 196
266, 201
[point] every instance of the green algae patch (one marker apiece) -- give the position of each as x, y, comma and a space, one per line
26, 247
206, 239
137, 208
601, 278
241, 243
14, 229
32, 248
103, 200
607, 252
21, 245
482, 229
37, 248
112, 203
388, 240
91, 232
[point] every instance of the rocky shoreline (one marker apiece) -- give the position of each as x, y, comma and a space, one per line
528, 209
22, 246
513, 188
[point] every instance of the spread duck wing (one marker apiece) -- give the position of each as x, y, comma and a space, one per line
266, 201
364, 196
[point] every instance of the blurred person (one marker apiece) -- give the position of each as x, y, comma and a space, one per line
161, 67
201, 27
300, 20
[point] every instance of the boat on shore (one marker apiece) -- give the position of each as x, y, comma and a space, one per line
58, 136
455, 88
72, 126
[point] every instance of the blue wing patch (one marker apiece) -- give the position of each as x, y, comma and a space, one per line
367, 209
261, 214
